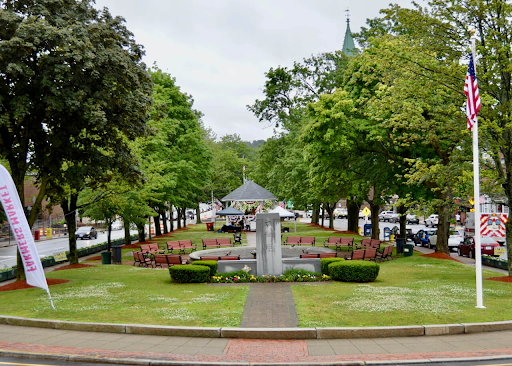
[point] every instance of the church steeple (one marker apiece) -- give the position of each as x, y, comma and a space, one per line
348, 43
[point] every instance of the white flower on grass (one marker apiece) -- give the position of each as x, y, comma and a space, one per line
209, 298
160, 298
180, 313
99, 290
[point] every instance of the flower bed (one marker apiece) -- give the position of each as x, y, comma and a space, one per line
291, 275
489, 260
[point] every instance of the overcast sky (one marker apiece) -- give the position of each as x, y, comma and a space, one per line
219, 50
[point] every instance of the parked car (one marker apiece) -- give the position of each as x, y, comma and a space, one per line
467, 247
455, 238
432, 220
394, 217
412, 219
117, 225
86, 232
421, 237
340, 213
384, 215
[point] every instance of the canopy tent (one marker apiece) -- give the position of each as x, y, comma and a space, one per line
282, 212
230, 211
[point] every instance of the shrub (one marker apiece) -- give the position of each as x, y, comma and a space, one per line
325, 263
188, 274
210, 264
354, 271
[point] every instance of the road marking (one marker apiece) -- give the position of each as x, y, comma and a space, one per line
23, 364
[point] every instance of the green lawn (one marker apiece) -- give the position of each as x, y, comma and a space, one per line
412, 290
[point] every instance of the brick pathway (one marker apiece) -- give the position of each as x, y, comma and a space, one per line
269, 305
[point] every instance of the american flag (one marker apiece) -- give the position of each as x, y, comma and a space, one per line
259, 207
471, 90
219, 205
236, 205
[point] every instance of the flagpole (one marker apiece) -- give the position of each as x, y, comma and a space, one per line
476, 185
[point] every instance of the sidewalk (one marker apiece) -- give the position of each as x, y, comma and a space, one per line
143, 349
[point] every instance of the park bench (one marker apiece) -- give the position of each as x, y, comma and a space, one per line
345, 243
209, 257
357, 254
168, 259
210, 243
365, 243
307, 240
151, 248
327, 255
370, 254
332, 240
375, 243
173, 245
386, 253
141, 259
187, 244
309, 255
292, 240
224, 242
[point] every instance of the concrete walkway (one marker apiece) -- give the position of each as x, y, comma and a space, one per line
144, 349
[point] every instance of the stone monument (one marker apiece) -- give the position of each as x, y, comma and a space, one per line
269, 260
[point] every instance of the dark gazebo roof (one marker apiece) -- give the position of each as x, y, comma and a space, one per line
230, 211
249, 191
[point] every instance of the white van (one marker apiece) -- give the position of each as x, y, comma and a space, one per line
117, 225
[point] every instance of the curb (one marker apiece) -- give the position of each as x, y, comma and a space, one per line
264, 333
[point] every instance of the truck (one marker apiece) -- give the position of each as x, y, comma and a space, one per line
491, 225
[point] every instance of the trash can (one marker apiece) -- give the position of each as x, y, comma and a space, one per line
209, 226
408, 250
367, 229
116, 250
400, 243
36, 235
106, 258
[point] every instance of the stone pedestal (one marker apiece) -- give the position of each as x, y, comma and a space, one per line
268, 244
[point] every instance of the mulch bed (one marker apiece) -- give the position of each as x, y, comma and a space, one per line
132, 246
20, 285
501, 279
73, 266
440, 256
95, 258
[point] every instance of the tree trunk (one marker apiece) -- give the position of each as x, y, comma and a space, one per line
127, 236
315, 214
142, 235
353, 215
178, 221
508, 236
402, 212
330, 209
158, 232
149, 227
69, 209
172, 218
184, 215
443, 229
108, 235
198, 214
375, 220
323, 214
163, 214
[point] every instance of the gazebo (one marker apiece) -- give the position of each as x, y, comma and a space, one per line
249, 197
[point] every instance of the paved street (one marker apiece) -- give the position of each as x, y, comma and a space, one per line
48, 247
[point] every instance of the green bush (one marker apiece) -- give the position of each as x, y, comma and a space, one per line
324, 262
189, 274
354, 271
211, 264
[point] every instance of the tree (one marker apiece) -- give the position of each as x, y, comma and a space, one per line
444, 29
73, 90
